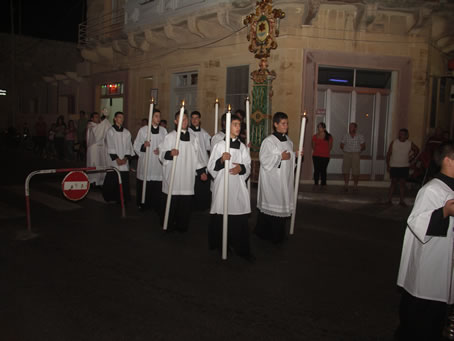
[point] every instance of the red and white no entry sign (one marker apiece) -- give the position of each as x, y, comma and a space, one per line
75, 185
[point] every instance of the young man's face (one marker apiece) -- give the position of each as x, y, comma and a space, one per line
235, 128
119, 120
352, 128
402, 136
282, 126
184, 124
96, 118
156, 118
195, 120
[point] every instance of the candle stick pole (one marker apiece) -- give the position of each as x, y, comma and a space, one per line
147, 151
298, 172
226, 186
172, 172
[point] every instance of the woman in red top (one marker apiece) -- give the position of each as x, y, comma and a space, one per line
322, 143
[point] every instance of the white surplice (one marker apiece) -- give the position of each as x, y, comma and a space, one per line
239, 201
119, 143
276, 178
96, 149
187, 163
154, 172
204, 145
426, 263
219, 136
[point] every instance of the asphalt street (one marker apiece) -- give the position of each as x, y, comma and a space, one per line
92, 275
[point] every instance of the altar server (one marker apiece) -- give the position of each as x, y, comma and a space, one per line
276, 181
202, 193
239, 205
186, 169
426, 266
120, 150
96, 148
153, 196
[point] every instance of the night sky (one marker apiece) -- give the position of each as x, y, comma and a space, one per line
49, 19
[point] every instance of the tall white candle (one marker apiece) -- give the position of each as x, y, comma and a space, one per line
216, 116
298, 171
248, 138
226, 185
174, 164
147, 150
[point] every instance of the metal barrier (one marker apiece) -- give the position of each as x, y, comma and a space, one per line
65, 170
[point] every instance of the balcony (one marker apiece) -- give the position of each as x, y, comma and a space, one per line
103, 29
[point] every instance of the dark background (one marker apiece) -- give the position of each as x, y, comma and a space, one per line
48, 19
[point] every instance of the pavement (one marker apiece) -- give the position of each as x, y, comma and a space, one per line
91, 275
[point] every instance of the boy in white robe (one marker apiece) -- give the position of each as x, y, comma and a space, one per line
426, 266
120, 150
96, 148
202, 193
275, 194
239, 204
153, 195
187, 159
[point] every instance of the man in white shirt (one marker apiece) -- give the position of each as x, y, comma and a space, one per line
352, 144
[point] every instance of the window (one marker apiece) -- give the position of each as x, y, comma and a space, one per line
112, 89
354, 77
237, 87
335, 76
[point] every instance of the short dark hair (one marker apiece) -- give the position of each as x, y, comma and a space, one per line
93, 114
279, 116
178, 113
404, 130
156, 110
119, 113
445, 150
241, 112
196, 113
235, 117
163, 121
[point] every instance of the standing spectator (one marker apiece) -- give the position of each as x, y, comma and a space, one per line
82, 135
40, 136
322, 143
59, 140
400, 153
163, 124
352, 144
425, 272
70, 138
50, 147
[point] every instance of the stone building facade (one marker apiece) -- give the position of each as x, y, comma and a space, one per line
381, 63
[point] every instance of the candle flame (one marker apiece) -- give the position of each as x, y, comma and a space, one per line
304, 114
217, 100
229, 107
182, 103
152, 100
247, 98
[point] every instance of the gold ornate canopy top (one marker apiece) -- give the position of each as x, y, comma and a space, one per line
263, 28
